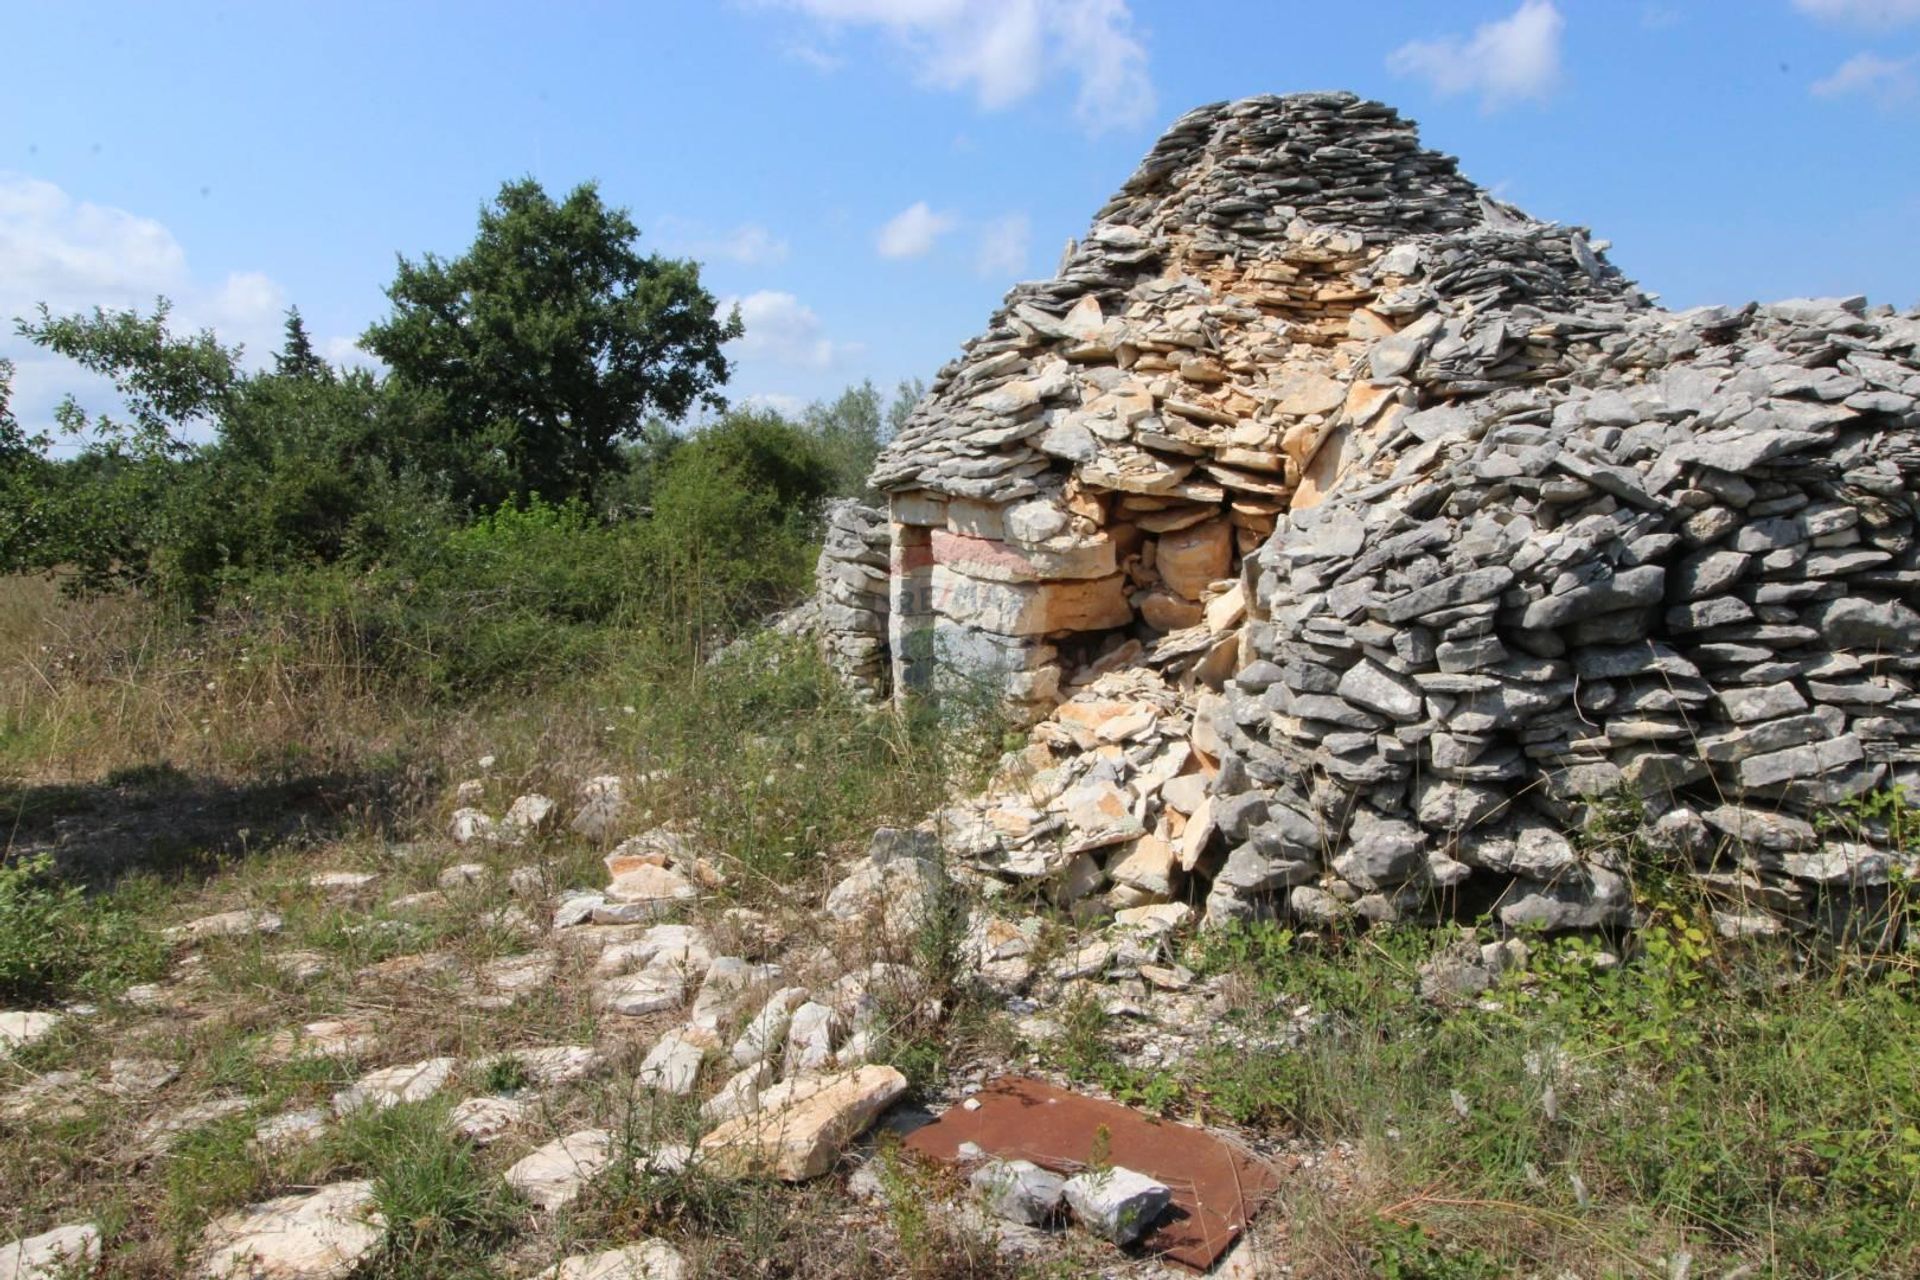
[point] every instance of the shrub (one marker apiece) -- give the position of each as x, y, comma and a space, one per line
55, 938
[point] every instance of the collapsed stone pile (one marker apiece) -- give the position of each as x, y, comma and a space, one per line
1419, 528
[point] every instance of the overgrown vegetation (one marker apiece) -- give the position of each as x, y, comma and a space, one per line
55, 938
1699, 1097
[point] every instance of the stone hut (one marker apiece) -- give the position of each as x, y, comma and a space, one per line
1430, 525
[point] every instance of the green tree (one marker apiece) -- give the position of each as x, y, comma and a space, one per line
105, 513
737, 506
306, 465
549, 342
855, 426
25, 477
297, 358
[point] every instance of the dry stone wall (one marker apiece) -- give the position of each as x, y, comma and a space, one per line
1351, 531
851, 595
1687, 574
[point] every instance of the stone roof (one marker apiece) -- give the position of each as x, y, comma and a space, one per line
1249, 237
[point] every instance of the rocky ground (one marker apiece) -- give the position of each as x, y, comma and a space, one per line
556, 1010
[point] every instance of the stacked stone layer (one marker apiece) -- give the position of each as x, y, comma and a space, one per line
851, 595
1434, 528
1687, 575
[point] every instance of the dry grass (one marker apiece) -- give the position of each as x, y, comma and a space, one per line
253, 762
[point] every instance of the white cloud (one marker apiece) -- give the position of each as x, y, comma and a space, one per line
814, 56
74, 255
782, 330
778, 401
1888, 81
347, 353
1515, 58
749, 244
911, 232
1862, 13
1006, 246
1003, 50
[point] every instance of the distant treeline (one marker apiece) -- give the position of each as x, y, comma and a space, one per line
514, 467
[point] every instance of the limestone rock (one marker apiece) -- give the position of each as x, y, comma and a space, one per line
22, 1027
487, 1119
1117, 1203
801, 1126
1019, 1191
64, 1253
647, 1260
553, 1176
391, 1086
321, 1235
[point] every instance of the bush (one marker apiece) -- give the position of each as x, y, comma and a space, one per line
56, 939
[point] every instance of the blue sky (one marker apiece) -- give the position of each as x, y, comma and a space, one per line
867, 177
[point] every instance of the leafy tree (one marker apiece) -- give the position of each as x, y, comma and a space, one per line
297, 358
306, 466
168, 383
738, 504
25, 478
854, 427
107, 511
549, 342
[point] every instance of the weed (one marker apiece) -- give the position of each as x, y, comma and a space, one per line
56, 939
445, 1213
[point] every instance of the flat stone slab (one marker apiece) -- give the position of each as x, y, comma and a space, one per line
554, 1175
327, 1038
323, 1235
1216, 1186
59, 1254
290, 1129
672, 1066
228, 924
390, 1086
648, 1260
163, 1131
550, 1065
22, 1027
484, 1120
801, 1126
342, 883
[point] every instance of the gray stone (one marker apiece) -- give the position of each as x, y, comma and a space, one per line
1019, 1191
1807, 761
1766, 703
1117, 1203
1599, 899
1883, 625
1380, 851
1374, 687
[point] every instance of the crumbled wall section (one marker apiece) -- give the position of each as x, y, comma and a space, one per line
1434, 527
1102, 458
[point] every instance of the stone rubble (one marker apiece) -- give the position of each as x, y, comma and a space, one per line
648, 1260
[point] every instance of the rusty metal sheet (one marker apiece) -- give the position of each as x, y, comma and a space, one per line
1217, 1187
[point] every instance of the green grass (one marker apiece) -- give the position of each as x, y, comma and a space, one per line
1695, 1095
57, 940
446, 1213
